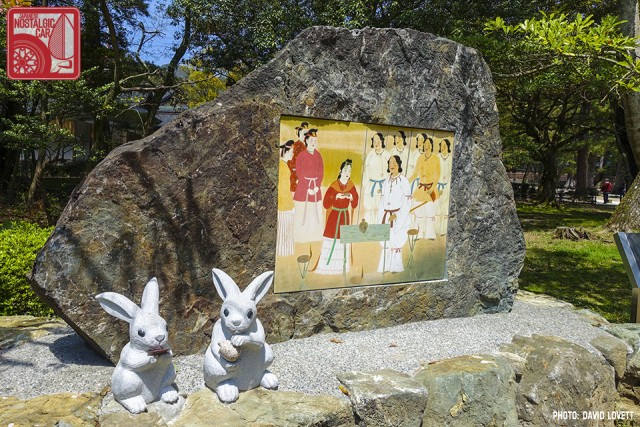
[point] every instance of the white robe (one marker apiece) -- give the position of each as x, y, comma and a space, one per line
444, 186
396, 199
375, 172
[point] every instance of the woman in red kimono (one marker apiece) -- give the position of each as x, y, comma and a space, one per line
307, 198
340, 199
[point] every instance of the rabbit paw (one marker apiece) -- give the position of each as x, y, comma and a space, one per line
239, 340
169, 395
135, 405
227, 393
269, 381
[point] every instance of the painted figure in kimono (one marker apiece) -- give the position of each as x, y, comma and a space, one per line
444, 188
307, 199
425, 193
401, 149
340, 199
284, 243
298, 147
395, 204
375, 172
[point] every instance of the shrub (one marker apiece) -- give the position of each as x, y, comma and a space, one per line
20, 242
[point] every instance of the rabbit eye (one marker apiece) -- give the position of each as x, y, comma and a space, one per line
226, 312
249, 314
141, 332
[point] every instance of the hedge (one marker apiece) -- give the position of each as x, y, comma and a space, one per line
20, 242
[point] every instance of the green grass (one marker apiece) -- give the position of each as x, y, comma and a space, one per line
586, 273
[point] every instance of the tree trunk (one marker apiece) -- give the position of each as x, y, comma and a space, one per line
547, 189
582, 170
621, 173
626, 217
622, 139
41, 165
591, 174
629, 12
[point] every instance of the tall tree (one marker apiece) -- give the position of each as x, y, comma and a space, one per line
556, 101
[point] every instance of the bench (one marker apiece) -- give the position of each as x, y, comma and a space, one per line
629, 248
571, 196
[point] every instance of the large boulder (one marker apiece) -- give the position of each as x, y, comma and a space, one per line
476, 390
201, 193
385, 398
560, 383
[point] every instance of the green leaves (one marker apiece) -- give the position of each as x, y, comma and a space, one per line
555, 39
19, 244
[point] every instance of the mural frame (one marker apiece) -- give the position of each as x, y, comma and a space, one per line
361, 204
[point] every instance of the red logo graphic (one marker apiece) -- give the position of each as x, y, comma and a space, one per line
43, 43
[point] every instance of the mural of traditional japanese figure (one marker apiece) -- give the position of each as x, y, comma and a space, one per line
425, 190
370, 206
298, 147
402, 149
395, 204
340, 199
284, 242
307, 199
375, 172
444, 153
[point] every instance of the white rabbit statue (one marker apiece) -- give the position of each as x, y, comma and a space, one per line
145, 372
238, 356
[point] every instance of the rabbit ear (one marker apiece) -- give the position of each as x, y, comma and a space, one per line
118, 306
224, 284
151, 296
259, 286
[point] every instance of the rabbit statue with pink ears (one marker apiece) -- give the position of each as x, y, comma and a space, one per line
145, 371
238, 356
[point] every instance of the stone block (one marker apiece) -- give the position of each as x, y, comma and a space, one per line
158, 414
56, 409
16, 330
614, 350
478, 390
560, 376
262, 407
385, 398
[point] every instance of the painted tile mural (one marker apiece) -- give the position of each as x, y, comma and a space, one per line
360, 204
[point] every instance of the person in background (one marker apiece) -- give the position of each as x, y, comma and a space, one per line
622, 190
606, 189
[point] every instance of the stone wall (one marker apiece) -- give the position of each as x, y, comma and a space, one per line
533, 381
201, 193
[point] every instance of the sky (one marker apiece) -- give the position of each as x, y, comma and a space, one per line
159, 49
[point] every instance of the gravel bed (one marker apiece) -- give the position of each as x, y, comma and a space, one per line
61, 362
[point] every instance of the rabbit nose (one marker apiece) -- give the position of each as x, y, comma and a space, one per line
159, 338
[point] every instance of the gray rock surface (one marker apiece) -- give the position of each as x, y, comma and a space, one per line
201, 193
615, 351
63, 409
627, 332
560, 376
385, 398
476, 390
266, 408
